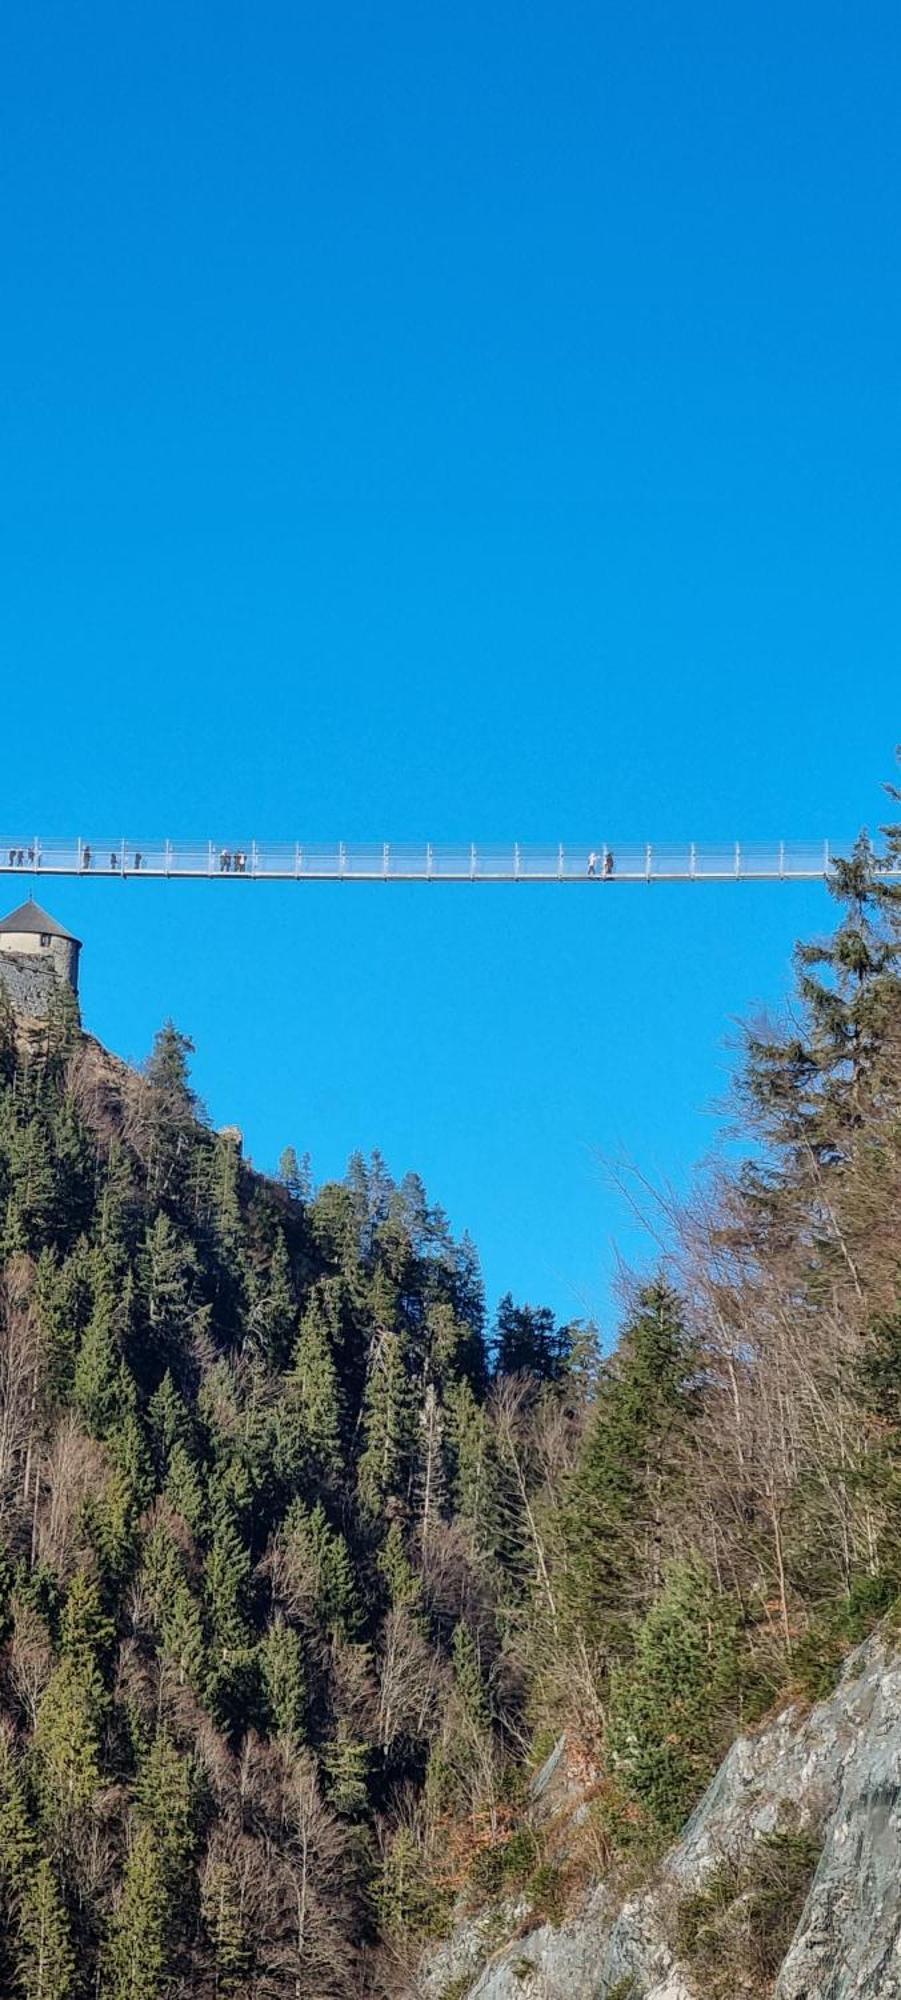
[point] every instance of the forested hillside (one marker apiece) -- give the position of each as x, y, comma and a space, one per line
303, 1570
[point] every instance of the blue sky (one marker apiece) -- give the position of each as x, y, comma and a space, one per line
477, 423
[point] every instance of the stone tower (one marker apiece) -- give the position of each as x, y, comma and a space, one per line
35, 953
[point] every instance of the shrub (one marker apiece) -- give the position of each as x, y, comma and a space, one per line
734, 1933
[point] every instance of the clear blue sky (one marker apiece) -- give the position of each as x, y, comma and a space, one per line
476, 422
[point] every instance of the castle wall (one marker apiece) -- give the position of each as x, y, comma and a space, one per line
61, 953
30, 978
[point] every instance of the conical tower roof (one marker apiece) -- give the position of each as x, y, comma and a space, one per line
30, 918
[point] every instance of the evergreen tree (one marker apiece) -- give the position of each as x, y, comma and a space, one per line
527, 1340
225, 1918
283, 1678
468, 1678
296, 1175
103, 1389
404, 1586
674, 1706
314, 1389
171, 1113
68, 1736
184, 1487
170, 1422
273, 1313
138, 1951
346, 1763
630, 1467
47, 1969
167, 1273
388, 1426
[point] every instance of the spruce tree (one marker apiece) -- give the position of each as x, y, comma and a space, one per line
46, 1960
68, 1736
388, 1426
346, 1760
283, 1679
138, 1956
673, 1708
314, 1390
630, 1468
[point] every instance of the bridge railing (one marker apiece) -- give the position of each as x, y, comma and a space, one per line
405, 861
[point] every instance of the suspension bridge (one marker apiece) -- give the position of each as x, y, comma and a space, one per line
602, 864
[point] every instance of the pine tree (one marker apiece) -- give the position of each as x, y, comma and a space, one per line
474, 1467
346, 1763
296, 1175
172, 1114
46, 1961
184, 1487
404, 1586
173, 1608
223, 1899
527, 1340
167, 1272
809, 1091
273, 1313
468, 1677
138, 1951
630, 1467
68, 1736
86, 1632
314, 1390
17, 1833
169, 1421
103, 1389
673, 1708
388, 1427
64, 1299
283, 1679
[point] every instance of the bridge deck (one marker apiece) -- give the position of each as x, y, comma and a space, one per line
779, 861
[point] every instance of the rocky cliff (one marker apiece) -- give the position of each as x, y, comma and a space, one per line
809, 1807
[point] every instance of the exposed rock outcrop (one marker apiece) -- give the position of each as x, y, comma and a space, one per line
836, 1771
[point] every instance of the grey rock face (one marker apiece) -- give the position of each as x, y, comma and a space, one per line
838, 1771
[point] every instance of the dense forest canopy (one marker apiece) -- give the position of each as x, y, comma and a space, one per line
303, 1568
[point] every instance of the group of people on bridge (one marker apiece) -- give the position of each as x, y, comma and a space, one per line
607, 865
116, 861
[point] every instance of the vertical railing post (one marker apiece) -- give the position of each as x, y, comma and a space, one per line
254, 857
342, 858
693, 861
37, 852
298, 859
782, 861
428, 861
516, 861
647, 862
211, 864
472, 861
385, 860
738, 858
168, 857
560, 868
